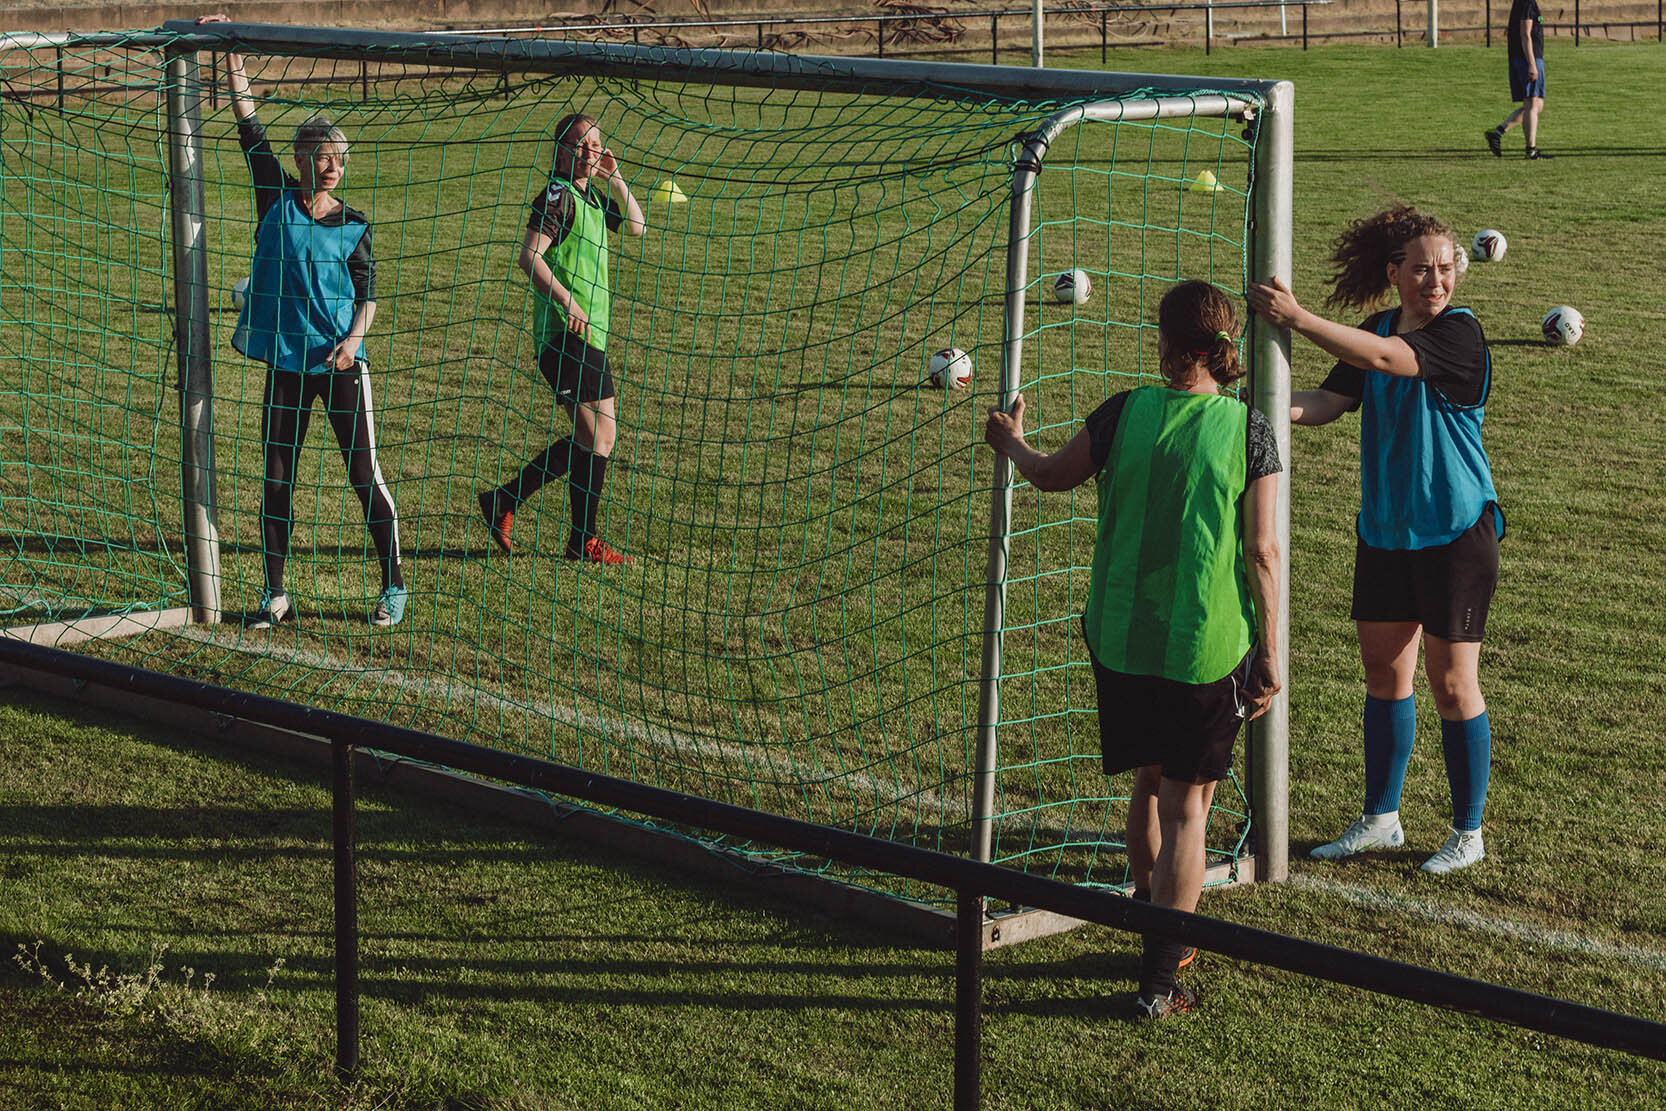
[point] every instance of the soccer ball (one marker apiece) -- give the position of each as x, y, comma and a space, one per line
1072, 286
239, 293
1488, 246
950, 369
1461, 264
1563, 326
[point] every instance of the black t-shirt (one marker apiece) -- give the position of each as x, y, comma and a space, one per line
554, 210
1519, 11
1451, 357
1261, 446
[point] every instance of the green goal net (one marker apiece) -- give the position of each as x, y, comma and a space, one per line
801, 627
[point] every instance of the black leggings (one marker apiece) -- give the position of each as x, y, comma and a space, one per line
288, 411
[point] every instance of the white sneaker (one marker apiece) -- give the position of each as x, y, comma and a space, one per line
1371, 831
1461, 850
274, 608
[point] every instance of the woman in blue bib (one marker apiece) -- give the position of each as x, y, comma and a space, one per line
1181, 610
310, 301
1426, 562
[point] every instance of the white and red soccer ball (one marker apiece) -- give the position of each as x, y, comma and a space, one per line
1563, 326
1072, 287
950, 369
1488, 246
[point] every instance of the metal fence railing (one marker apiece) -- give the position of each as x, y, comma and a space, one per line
973, 882
768, 29
891, 32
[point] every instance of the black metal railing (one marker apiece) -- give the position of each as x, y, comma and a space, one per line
1400, 33
972, 882
895, 21
760, 23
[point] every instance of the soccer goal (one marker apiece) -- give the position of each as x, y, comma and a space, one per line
840, 605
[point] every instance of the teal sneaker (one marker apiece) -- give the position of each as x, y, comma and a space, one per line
390, 607
274, 609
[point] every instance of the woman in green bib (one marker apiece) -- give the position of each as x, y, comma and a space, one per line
1181, 609
564, 252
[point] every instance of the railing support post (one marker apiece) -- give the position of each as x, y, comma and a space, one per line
968, 1000
347, 915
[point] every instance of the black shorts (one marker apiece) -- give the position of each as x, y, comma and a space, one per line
1187, 728
575, 370
1446, 589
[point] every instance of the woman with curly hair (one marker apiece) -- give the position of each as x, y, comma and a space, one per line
1426, 561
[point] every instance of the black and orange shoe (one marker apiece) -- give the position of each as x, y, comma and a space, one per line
499, 522
1179, 1001
595, 550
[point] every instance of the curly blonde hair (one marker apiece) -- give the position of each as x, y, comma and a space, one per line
1366, 247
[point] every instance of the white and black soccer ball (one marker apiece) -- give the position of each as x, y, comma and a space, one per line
950, 369
1563, 326
1488, 246
1072, 286
239, 292
1461, 263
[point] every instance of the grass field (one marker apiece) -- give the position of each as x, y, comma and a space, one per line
512, 972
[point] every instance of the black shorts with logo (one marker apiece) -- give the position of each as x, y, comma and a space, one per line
1186, 728
575, 370
1446, 589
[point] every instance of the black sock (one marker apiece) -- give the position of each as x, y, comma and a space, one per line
1158, 964
551, 464
1143, 894
585, 481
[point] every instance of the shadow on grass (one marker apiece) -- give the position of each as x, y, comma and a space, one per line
467, 919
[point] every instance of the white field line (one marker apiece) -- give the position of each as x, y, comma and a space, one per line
610, 728
17, 595
1548, 937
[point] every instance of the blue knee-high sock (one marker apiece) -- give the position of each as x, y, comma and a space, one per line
1390, 729
1468, 749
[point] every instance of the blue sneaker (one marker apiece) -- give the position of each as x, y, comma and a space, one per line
390, 607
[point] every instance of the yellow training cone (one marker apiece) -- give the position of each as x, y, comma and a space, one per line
668, 192
1205, 182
